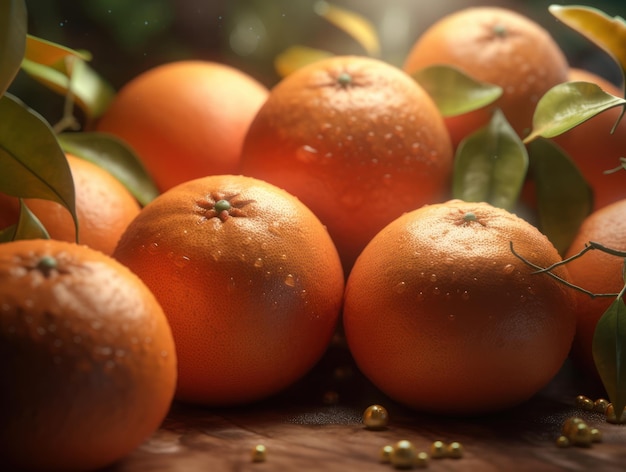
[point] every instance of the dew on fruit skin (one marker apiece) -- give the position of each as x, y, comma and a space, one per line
420, 296
289, 280
436, 291
400, 287
216, 255
181, 261
508, 269
433, 277
275, 228
258, 263
153, 248
307, 154
465, 295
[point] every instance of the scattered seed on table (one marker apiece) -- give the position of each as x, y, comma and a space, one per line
375, 417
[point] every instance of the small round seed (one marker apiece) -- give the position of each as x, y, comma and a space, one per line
330, 397
581, 436
569, 426
611, 417
421, 460
586, 404
375, 417
596, 435
563, 441
454, 450
403, 455
600, 405
385, 453
438, 450
259, 453
581, 401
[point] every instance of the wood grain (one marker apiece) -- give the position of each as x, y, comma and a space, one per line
316, 425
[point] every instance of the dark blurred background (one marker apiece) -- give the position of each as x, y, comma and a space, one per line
128, 37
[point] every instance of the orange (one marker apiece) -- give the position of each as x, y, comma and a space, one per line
596, 272
87, 359
498, 46
249, 279
594, 149
185, 119
357, 140
104, 208
442, 316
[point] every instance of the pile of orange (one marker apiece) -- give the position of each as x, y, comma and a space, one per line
281, 210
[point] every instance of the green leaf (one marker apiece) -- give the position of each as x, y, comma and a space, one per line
455, 92
491, 165
28, 226
564, 197
12, 40
567, 105
295, 57
71, 74
32, 162
356, 26
609, 353
605, 32
115, 156
46, 52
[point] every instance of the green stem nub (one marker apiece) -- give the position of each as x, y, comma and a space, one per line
344, 79
469, 216
47, 264
222, 205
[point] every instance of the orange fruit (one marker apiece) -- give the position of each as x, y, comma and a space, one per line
498, 46
87, 358
594, 149
185, 119
104, 208
442, 316
597, 272
357, 140
249, 279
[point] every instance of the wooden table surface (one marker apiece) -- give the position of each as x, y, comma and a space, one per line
316, 425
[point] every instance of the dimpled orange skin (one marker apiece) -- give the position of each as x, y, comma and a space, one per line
442, 317
596, 272
253, 294
87, 359
185, 119
498, 46
357, 140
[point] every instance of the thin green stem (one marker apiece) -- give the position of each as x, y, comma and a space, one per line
548, 270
